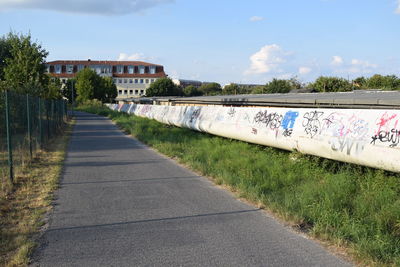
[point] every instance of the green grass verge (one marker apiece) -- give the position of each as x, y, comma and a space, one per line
349, 206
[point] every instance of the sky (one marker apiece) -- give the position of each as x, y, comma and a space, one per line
224, 41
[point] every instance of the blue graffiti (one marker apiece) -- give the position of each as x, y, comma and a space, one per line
289, 119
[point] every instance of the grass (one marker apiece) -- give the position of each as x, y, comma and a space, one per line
23, 209
348, 206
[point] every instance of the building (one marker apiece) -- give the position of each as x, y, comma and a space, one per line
132, 78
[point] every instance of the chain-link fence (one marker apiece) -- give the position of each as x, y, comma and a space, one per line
26, 125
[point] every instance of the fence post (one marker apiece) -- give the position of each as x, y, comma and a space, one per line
9, 145
28, 116
40, 124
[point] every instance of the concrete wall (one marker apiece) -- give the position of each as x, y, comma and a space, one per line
365, 137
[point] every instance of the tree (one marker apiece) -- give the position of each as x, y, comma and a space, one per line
278, 86
87, 82
360, 82
191, 91
68, 89
231, 89
331, 84
109, 90
162, 87
24, 70
53, 89
210, 89
5, 53
259, 90
388, 82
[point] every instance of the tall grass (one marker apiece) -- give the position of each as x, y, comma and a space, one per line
351, 206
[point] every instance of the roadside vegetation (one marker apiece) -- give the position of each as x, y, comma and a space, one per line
349, 206
321, 84
23, 210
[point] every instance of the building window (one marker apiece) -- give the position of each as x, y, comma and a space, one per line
141, 80
57, 69
136, 92
130, 80
141, 92
125, 92
131, 69
120, 92
147, 80
130, 92
80, 67
115, 80
151, 80
125, 80
119, 80
141, 69
136, 80
152, 69
120, 69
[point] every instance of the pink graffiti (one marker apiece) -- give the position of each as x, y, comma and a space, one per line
385, 123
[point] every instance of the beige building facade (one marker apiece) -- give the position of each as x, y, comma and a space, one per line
132, 78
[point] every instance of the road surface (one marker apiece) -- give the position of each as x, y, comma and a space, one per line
122, 204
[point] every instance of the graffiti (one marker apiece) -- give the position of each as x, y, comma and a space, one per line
347, 144
385, 122
343, 125
145, 109
254, 131
271, 120
287, 132
311, 122
289, 119
392, 137
231, 112
195, 115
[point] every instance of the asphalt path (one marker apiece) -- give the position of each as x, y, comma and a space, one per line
122, 204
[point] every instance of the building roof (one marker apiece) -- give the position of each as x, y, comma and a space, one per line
101, 62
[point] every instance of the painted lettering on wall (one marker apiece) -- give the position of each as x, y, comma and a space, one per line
270, 120
311, 122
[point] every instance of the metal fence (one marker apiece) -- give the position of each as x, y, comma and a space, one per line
27, 124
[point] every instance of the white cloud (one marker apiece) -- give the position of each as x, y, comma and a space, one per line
361, 66
355, 66
256, 18
304, 70
100, 7
397, 11
134, 57
337, 61
268, 59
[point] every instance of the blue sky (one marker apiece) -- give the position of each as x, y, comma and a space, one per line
249, 41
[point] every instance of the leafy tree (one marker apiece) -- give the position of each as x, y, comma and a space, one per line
331, 84
278, 86
53, 89
360, 82
5, 52
109, 90
191, 91
25, 68
87, 82
162, 87
231, 89
68, 89
389, 82
210, 89
259, 90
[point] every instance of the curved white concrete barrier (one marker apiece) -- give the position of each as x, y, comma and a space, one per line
364, 137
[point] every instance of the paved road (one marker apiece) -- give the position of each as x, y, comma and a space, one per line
122, 204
